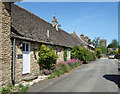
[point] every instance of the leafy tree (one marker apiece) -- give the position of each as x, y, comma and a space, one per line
110, 46
113, 44
96, 41
104, 49
47, 57
98, 52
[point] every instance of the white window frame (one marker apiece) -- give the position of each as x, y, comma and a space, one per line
69, 53
48, 33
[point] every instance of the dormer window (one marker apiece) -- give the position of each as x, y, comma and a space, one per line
48, 33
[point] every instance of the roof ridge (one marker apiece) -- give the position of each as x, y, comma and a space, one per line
80, 38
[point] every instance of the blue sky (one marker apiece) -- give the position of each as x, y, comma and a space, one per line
93, 19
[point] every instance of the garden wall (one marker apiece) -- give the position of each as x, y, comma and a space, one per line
5, 43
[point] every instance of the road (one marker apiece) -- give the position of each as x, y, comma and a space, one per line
99, 76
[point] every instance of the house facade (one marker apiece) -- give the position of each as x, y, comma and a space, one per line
22, 35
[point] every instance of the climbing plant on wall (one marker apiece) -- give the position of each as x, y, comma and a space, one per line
65, 55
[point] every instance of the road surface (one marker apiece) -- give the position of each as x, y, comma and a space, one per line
99, 76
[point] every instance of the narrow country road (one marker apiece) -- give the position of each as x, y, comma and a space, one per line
99, 76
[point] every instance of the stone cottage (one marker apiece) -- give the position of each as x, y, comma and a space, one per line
21, 36
84, 41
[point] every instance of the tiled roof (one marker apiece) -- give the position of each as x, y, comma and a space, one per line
27, 26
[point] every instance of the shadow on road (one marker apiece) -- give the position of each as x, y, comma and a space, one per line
119, 69
114, 78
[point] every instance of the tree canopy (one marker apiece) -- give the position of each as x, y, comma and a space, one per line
113, 44
96, 41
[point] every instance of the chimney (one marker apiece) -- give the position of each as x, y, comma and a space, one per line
55, 23
86, 38
82, 36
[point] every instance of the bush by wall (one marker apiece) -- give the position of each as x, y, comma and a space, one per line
82, 54
47, 57
77, 52
90, 56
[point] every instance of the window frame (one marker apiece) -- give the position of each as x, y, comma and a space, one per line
69, 53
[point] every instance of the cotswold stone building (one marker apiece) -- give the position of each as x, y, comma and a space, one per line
21, 36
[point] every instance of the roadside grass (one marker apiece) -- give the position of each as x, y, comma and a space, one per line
20, 89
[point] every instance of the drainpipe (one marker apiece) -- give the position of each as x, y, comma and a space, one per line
13, 74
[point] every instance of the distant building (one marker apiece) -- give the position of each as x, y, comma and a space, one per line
103, 42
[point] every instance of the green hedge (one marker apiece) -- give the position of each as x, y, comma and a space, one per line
82, 54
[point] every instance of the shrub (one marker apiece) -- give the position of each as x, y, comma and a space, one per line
89, 56
65, 55
98, 52
64, 67
82, 54
47, 57
77, 52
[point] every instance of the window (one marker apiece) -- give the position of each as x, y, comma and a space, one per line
23, 46
69, 53
56, 50
26, 47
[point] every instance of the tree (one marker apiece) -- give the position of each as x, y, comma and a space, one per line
113, 44
96, 42
104, 49
98, 52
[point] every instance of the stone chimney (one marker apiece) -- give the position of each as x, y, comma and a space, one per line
86, 38
82, 36
55, 23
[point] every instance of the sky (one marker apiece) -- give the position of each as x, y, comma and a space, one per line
93, 19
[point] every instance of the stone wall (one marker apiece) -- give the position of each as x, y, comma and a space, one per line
60, 54
0, 44
5, 43
34, 66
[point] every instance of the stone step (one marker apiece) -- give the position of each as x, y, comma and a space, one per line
29, 78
